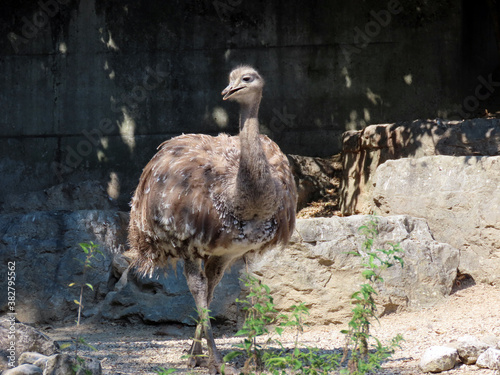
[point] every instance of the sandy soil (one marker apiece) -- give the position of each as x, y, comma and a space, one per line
141, 349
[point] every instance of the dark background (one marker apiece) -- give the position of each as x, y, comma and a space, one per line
89, 88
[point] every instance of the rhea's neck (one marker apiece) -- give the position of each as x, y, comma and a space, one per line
254, 184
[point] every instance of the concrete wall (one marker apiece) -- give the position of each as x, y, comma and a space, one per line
89, 88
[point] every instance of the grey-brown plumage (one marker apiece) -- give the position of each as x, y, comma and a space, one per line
209, 200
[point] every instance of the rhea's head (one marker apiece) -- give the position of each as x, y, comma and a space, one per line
245, 86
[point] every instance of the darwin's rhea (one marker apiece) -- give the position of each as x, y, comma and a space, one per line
209, 200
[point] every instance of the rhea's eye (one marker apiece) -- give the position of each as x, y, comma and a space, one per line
246, 78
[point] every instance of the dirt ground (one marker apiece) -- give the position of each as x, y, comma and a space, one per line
142, 349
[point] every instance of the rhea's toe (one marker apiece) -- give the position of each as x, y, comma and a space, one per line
196, 361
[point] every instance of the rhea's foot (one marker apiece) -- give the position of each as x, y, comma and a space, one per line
197, 361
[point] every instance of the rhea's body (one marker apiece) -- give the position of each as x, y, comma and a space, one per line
183, 206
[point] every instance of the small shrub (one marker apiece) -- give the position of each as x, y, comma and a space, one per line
91, 251
358, 335
262, 318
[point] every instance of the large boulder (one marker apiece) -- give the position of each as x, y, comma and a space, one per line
165, 297
44, 251
364, 150
318, 270
460, 199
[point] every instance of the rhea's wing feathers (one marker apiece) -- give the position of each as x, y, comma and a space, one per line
280, 167
172, 203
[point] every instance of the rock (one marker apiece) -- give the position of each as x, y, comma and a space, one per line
438, 359
165, 297
365, 150
28, 339
26, 369
469, 348
63, 364
460, 199
42, 362
316, 268
489, 359
492, 340
32, 358
44, 247
316, 178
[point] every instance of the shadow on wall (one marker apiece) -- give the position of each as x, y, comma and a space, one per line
112, 80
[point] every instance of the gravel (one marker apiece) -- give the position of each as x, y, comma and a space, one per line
142, 349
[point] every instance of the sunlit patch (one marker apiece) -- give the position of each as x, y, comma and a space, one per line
366, 113
63, 48
219, 115
101, 156
348, 81
127, 130
110, 43
372, 97
113, 189
104, 142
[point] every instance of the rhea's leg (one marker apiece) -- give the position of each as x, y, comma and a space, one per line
214, 270
198, 285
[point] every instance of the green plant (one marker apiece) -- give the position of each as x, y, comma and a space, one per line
374, 261
301, 359
201, 322
91, 251
162, 371
261, 314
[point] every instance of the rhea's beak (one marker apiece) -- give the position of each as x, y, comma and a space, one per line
229, 91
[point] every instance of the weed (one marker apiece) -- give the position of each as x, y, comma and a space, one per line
262, 318
374, 261
91, 251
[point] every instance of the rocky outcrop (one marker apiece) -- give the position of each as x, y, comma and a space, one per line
315, 269
366, 149
318, 270
460, 199
43, 247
